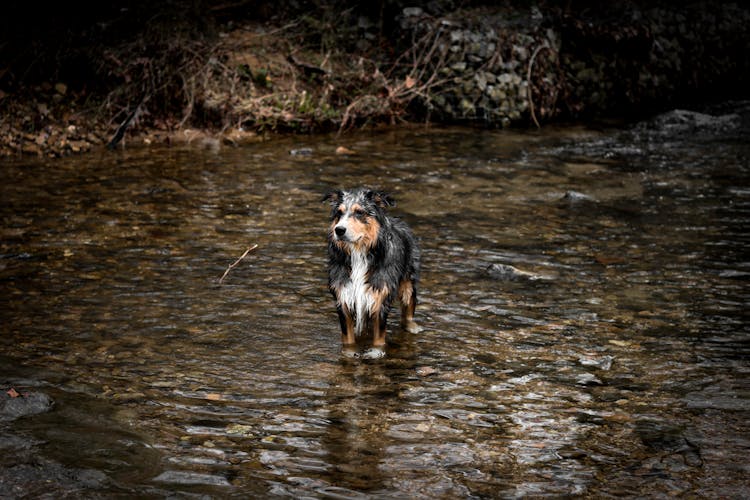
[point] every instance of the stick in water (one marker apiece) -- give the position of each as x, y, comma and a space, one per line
231, 266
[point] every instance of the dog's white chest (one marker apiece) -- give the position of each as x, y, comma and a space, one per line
355, 294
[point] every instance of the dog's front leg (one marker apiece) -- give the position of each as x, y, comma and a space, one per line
348, 339
377, 350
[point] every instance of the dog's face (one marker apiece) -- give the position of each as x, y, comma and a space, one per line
356, 217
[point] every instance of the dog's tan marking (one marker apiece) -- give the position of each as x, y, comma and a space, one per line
378, 297
408, 306
369, 231
405, 291
378, 331
349, 337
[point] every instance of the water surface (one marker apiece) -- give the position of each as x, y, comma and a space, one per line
617, 366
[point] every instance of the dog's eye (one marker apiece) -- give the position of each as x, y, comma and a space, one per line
360, 212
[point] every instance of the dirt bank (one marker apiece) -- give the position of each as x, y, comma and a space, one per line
236, 76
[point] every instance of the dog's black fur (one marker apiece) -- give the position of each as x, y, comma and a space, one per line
373, 258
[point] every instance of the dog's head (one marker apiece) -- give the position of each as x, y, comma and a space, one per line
356, 217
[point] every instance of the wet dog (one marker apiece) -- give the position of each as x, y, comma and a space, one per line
373, 258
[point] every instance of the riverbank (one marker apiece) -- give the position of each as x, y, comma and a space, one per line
234, 78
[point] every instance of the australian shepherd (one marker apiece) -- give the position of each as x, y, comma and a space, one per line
372, 259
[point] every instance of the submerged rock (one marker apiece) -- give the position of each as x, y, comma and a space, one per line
505, 272
38, 478
602, 363
588, 379
576, 197
680, 121
191, 478
301, 152
21, 405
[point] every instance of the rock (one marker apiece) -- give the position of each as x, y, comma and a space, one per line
31, 148
466, 107
24, 404
481, 80
42, 478
191, 478
603, 363
497, 94
576, 197
78, 146
521, 51
505, 272
587, 379
683, 122
301, 152
240, 430
16, 448
425, 371
505, 78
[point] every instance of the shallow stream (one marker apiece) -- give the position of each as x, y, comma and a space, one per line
612, 358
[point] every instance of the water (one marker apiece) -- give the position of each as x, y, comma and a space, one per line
617, 366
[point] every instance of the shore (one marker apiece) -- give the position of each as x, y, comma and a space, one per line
494, 66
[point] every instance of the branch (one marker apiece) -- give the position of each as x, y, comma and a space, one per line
543, 46
232, 266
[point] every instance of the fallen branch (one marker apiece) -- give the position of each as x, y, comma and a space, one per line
545, 45
232, 266
120, 133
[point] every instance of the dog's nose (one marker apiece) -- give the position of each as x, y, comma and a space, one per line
340, 231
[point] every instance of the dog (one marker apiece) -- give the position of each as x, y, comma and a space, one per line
373, 258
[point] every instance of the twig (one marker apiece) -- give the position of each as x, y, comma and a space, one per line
231, 266
545, 45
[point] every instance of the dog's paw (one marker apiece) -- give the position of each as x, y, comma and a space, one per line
412, 327
374, 353
350, 352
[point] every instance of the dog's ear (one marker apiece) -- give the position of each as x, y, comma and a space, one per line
334, 197
381, 199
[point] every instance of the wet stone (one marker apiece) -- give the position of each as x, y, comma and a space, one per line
602, 363
37, 479
506, 272
191, 478
587, 379
301, 152
23, 405
576, 197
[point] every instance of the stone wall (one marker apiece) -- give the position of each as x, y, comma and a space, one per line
478, 64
